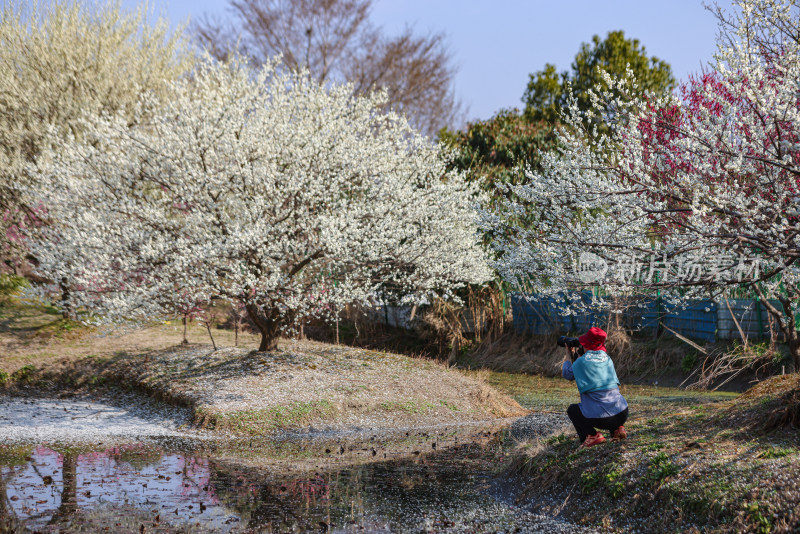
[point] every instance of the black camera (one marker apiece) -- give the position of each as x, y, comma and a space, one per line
564, 341
572, 342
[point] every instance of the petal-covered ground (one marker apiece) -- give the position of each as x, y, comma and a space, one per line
34, 420
302, 385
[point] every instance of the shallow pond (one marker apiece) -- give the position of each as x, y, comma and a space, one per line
436, 480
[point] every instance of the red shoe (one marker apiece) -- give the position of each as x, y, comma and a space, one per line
619, 434
591, 441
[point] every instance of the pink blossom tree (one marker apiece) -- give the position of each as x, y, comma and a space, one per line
706, 180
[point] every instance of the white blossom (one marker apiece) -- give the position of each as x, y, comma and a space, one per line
261, 188
59, 60
707, 177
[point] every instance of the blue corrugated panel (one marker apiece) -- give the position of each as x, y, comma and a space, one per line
542, 315
647, 316
527, 314
534, 315
746, 312
695, 320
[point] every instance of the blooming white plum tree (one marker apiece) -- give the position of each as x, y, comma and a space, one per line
261, 188
60, 59
691, 194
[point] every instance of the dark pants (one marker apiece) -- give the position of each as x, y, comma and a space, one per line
587, 425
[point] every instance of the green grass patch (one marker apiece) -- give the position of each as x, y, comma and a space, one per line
11, 285
24, 375
589, 480
558, 439
410, 406
449, 405
11, 455
274, 418
96, 381
777, 452
60, 328
661, 467
656, 446
555, 394
612, 481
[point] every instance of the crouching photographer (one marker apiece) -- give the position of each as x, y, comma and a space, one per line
602, 406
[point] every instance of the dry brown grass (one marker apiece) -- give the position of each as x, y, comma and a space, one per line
771, 404
521, 354
302, 384
636, 358
33, 335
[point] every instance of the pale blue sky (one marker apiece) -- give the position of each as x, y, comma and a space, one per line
497, 43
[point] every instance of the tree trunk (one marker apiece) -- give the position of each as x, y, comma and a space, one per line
67, 312
208, 328
268, 325
792, 337
786, 323
794, 349
69, 492
8, 521
237, 320
337, 326
69, 495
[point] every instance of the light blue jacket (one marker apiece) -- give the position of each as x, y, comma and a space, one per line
598, 384
594, 371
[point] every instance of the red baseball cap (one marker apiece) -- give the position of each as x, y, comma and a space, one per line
594, 339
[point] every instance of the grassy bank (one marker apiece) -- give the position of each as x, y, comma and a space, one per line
693, 462
301, 385
542, 393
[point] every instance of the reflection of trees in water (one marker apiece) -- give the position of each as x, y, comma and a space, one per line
8, 520
69, 492
380, 493
138, 456
10, 456
258, 500
93, 491
376, 495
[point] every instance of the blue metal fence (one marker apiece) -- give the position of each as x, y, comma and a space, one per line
701, 320
544, 315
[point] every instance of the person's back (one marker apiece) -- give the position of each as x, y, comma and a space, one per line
602, 405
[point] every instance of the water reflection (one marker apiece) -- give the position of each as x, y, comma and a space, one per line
49, 489
422, 489
145, 489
